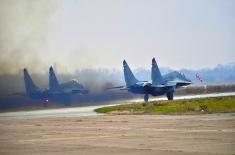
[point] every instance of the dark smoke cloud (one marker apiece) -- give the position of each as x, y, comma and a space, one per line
25, 30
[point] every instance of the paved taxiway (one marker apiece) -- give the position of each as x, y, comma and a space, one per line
88, 111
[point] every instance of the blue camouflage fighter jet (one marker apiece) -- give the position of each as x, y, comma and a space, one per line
160, 85
56, 91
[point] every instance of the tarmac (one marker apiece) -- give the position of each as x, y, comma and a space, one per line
209, 134
82, 131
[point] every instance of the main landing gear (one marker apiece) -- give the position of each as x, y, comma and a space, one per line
170, 96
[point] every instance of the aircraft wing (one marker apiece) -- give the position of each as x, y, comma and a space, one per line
82, 91
125, 88
117, 87
163, 86
179, 83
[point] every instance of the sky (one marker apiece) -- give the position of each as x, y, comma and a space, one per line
78, 34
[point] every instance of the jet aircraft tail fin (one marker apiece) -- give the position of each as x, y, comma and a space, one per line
29, 84
129, 76
54, 85
156, 74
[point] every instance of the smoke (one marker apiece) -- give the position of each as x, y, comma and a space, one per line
25, 30
97, 80
27, 33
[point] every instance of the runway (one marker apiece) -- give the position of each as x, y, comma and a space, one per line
89, 110
80, 130
209, 134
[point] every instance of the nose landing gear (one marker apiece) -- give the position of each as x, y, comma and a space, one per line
170, 95
146, 97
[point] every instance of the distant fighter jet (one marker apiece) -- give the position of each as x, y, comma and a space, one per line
56, 91
69, 87
160, 85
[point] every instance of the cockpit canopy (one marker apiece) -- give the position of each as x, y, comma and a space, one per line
72, 85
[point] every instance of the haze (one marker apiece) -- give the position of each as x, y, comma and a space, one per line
78, 34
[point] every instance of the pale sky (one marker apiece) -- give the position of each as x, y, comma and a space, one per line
101, 33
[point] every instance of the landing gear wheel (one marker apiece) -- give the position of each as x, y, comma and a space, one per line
146, 97
170, 96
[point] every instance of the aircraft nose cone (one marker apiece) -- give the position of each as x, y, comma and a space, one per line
188, 80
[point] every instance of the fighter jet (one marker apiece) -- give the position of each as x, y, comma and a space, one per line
56, 91
69, 87
160, 85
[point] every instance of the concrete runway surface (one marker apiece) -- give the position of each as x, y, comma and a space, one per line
82, 131
88, 111
209, 134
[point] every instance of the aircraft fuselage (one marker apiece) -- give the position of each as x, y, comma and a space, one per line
154, 91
